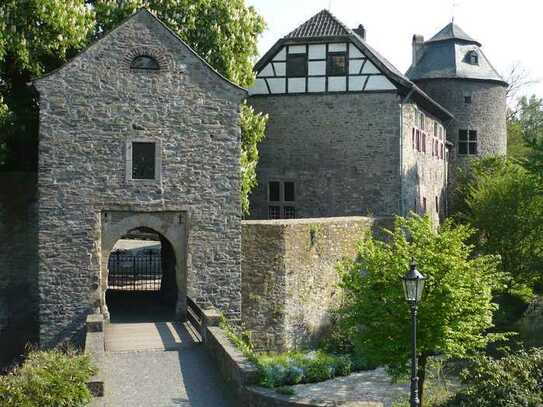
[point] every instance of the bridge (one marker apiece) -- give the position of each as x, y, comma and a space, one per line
159, 363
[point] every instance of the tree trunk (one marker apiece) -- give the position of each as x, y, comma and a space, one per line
421, 373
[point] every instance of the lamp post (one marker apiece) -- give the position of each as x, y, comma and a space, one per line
413, 285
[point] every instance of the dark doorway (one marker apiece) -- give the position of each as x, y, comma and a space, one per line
141, 278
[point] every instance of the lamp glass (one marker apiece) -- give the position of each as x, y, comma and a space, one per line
413, 285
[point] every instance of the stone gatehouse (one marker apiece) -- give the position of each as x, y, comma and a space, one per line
136, 132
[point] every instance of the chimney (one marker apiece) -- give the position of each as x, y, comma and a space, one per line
361, 31
418, 46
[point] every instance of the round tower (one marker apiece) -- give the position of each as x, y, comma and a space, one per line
452, 68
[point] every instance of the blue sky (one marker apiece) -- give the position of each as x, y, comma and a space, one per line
510, 31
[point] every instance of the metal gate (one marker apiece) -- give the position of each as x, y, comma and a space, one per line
130, 272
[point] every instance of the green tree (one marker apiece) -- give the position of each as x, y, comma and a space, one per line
36, 36
456, 309
253, 128
504, 202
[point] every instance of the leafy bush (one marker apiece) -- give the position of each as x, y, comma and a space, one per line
515, 380
48, 378
301, 367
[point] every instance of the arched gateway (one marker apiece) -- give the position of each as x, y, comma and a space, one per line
171, 227
138, 131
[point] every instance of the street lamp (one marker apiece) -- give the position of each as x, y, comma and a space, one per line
413, 285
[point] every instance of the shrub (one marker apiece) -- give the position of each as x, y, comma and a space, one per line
515, 380
48, 378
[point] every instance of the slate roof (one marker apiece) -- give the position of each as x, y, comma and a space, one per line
323, 24
326, 27
452, 32
444, 56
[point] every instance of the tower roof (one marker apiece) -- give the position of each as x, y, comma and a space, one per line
322, 24
452, 54
452, 32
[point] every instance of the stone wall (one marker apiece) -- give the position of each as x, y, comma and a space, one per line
90, 111
423, 176
18, 263
289, 276
341, 150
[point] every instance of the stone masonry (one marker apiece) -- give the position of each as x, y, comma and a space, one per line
333, 147
289, 275
90, 111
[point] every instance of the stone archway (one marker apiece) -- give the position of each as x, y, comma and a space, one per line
170, 225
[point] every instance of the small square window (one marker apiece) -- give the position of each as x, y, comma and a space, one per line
289, 192
274, 194
296, 65
274, 212
467, 99
290, 212
143, 160
336, 64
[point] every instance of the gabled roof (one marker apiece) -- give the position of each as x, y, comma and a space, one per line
452, 32
323, 24
325, 27
446, 56
144, 11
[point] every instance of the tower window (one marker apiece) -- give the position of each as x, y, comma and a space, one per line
143, 160
467, 99
467, 142
336, 64
145, 62
296, 65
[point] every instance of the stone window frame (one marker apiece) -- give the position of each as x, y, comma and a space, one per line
163, 59
158, 160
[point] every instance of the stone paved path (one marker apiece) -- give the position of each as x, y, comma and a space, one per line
373, 385
185, 377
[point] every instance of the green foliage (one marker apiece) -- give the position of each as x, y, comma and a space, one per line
52, 378
253, 130
301, 367
493, 189
36, 36
456, 309
514, 380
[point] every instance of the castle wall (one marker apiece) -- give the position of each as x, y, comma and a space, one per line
289, 276
424, 176
341, 151
18, 264
90, 112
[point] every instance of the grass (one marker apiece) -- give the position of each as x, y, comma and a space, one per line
52, 378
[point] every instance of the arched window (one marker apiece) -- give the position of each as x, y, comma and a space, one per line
145, 62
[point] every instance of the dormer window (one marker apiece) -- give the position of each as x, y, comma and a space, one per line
145, 62
472, 58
